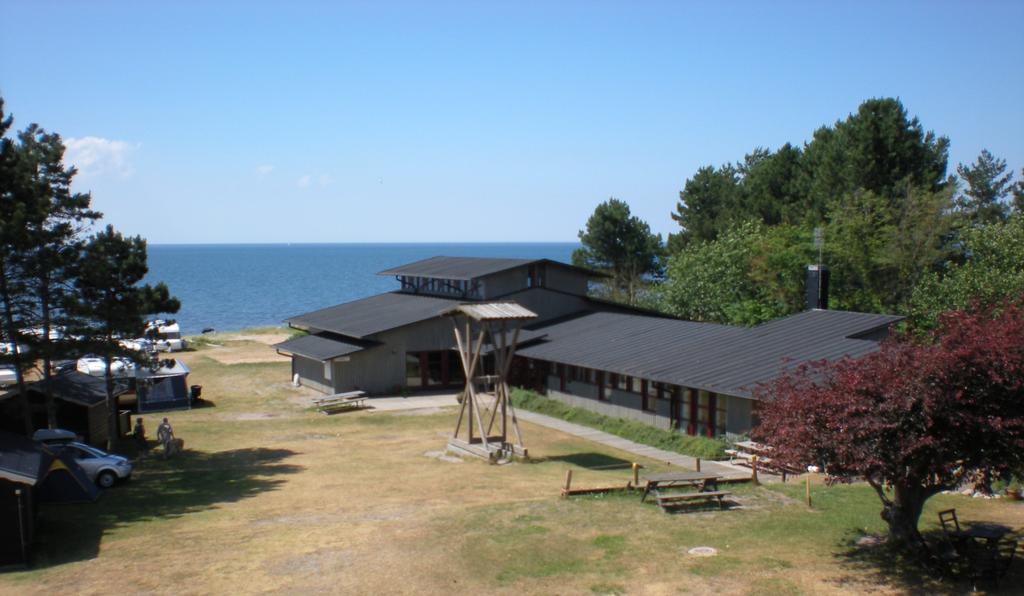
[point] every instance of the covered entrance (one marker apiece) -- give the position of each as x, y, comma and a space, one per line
434, 369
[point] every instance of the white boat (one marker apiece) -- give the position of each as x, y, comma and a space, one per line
140, 344
97, 367
8, 348
166, 335
7, 376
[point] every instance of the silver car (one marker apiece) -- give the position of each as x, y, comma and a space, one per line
101, 467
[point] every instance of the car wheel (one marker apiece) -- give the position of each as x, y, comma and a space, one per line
106, 479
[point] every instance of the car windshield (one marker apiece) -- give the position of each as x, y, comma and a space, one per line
88, 451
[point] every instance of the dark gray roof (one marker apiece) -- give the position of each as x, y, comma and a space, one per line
466, 268
719, 358
76, 387
365, 317
318, 347
21, 460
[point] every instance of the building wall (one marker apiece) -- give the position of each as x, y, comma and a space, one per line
504, 282
549, 305
732, 414
311, 372
566, 280
618, 405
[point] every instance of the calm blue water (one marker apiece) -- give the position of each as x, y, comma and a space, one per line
231, 287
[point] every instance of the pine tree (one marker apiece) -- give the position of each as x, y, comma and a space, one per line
112, 304
55, 229
16, 209
988, 186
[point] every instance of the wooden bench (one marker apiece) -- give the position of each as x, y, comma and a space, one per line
669, 500
340, 402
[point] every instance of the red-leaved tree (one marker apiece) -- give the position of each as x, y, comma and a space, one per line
912, 419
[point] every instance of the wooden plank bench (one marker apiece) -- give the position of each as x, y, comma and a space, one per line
669, 500
340, 402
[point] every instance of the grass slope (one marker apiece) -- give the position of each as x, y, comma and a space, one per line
638, 432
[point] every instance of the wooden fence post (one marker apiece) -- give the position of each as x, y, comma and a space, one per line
808, 491
698, 464
568, 480
753, 468
636, 474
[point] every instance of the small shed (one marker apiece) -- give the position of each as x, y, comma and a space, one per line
31, 474
163, 388
80, 403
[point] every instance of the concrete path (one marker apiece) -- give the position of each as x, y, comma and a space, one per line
724, 469
416, 402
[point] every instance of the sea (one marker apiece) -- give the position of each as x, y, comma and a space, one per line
229, 287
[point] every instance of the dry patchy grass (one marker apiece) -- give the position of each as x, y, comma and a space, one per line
274, 497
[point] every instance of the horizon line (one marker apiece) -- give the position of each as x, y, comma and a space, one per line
383, 243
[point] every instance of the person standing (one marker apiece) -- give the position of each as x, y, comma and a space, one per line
165, 434
139, 433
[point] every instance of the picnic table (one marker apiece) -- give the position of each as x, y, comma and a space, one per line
753, 447
340, 402
990, 533
705, 483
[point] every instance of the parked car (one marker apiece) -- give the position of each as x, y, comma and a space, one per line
105, 469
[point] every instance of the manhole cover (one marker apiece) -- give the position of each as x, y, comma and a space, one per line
703, 551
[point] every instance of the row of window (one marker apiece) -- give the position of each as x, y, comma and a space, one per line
693, 411
452, 287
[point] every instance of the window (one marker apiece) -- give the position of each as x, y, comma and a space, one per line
647, 400
623, 383
413, 371
613, 380
634, 385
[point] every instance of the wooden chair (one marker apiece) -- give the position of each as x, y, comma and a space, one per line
950, 524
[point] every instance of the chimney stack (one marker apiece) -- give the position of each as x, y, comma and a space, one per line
817, 287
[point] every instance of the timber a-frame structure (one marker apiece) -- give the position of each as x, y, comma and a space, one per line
483, 329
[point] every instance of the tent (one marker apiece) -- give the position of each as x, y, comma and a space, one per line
31, 474
163, 388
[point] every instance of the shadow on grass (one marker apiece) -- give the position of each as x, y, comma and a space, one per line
589, 460
915, 572
159, 489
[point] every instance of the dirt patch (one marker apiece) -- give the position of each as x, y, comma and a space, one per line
244, 352
419, 412
254, 416
314, 563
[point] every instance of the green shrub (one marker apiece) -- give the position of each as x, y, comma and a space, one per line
632, 430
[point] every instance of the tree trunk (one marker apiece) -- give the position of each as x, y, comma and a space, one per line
902, 513
51, 409
19, 370
112, 415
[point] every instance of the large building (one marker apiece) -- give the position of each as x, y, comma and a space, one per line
697, 378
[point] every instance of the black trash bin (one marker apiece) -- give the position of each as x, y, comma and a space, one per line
195, 392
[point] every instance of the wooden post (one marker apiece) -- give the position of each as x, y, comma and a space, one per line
808, 491
568, 480
698, 464
753, 468
636, 474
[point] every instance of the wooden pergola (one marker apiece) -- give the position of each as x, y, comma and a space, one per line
480, 328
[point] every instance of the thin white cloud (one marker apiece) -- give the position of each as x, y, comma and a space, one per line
264, 170
97, 156
321, 180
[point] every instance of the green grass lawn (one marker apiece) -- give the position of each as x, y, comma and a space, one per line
271, 496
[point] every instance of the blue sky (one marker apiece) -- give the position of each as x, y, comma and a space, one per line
474, 121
